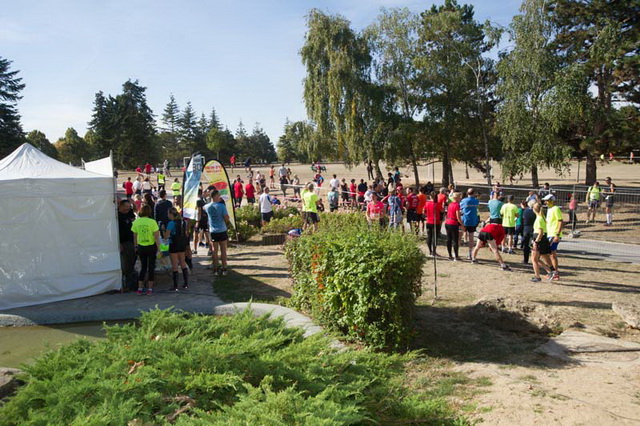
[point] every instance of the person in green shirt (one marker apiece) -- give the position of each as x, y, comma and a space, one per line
554, 232
541, 247
593, 200
176, 187
146, 240
509, 213
310, 202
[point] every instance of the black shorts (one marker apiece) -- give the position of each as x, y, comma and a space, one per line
594, 204
496, 220
203, 225
251, 200
510, 230
345, 196
218, 237
608, 202
312, 217
420, 217
412, 216
541, 247
485, 236
266, 217
471, 229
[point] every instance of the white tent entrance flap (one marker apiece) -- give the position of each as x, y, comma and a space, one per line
59, 231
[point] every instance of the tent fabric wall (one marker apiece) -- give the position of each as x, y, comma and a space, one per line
59, 234
103, 166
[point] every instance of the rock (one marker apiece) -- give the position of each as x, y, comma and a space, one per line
512, 315
578, 342
629, 312
8, 381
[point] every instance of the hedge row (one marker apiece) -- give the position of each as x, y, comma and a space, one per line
362, 282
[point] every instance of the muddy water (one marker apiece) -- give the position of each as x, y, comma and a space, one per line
20, 345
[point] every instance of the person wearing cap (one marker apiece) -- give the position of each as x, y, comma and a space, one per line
593, 200
554, 232
608, 200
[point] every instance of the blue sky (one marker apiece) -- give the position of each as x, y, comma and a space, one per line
240, 57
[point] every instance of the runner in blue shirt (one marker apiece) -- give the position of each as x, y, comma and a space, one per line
218, 218
470, 219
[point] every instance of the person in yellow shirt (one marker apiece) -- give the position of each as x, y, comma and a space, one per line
593, 200
146, 240
161, 180
311, 201
509, 213
176, 187
554, 232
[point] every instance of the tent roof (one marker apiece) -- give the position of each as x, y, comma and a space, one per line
28, 162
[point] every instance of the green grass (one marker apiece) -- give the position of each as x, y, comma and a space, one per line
237, 287
195, 369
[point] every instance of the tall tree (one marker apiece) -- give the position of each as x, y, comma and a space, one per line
11, 133
171, 115
603, 36
72, 148
337, 83
394, 41
529, 76
262, 148
452, 44
187, 126
40, 141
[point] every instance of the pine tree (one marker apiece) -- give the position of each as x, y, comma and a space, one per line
171, 115
11, 133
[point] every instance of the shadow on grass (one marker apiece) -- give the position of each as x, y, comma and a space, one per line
460, 334
237, 287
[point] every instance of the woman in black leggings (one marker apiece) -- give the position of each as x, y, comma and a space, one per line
452, 226
146, 238
528, 219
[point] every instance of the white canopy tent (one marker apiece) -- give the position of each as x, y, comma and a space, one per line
59, 231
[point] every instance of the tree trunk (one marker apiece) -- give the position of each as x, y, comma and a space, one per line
377, 167
534, 177
446, 169
414, 164
592, 169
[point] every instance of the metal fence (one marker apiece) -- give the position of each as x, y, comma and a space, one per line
625, 225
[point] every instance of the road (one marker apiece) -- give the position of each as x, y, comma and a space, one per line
593, 249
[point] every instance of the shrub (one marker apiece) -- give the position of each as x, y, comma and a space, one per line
196, 369
280, 212
249, 214
361, 282
243, 232
283, 225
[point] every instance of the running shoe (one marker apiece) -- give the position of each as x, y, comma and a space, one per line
551, 276
139, 292
195, 251
149, 292
536, 280
474, 260
556, 277
218, 272
173, 289
185, 287
451, 258
505, 268
456, 259
224, 271
510, 251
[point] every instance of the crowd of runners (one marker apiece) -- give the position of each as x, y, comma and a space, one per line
151, 225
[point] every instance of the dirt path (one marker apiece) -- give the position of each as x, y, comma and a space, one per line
526, 387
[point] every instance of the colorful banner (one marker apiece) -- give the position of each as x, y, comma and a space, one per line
190, 186
217, 176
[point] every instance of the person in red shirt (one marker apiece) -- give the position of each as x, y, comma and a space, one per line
250, 192
238, 192
422, 200
452, 225
375, 210
128, 187
433, 215
491, 235
232, 161
442, 200
138, 170
147, 168
411, 204
353, 194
